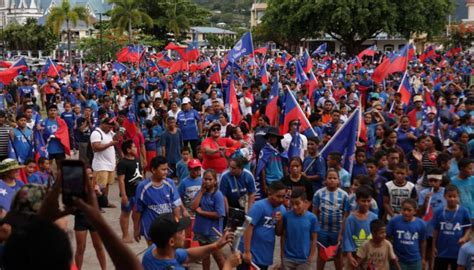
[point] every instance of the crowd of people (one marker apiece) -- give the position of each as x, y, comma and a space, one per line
183, 163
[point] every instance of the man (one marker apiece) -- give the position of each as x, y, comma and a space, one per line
259, 238
189, 122
51, 127
314, 165
103, 141
330, 128
84, 127
416, 115
22, 139
238, 185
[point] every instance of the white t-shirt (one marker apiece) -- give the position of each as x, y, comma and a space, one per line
286, 141
105, 159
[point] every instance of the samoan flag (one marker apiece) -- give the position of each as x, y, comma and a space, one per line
427, 54
131, 53
312, 84
271, 111
405, 89
50, 68
216, 74
191, 53
321, 49
21, 62
344, 141
119, 67
397, 62
294, 150
283, 59
292, 112
307, 62
243, 47
40, 145
301, 76
263, 74
232, 104
370, 51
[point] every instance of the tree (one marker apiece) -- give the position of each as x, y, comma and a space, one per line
128, 13
353, 22
460, 34
106, 49
30, 36
66, 14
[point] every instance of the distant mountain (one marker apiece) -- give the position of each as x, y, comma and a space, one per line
231, 12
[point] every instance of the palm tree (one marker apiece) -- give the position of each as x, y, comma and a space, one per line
64, 13
127, 13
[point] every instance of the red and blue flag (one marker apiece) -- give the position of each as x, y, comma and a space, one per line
405, 90
397, 62
272, 102
292, 112
427, 54
231, 104
321, 49
370, 51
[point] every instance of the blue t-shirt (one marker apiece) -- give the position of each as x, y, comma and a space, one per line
54, 145
233, 188
149, 262
407, 237
331, 205
150, 141
298, 231
23, 144
318, 167
451, 226
172, 144
466, 190
6, 196
274, 167
374, 208
356, 232
153, 200
210, 202
40, 178
345, 177
453, 169
437, 202
69, 118
262, 243
182, 170
465, 255
187, 122
188, 188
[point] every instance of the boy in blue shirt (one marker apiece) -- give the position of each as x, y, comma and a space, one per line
451, 230
334, 161
409, 237
259, 238
154, 197
299, 229
43, 175
465, 183
314, 166
190, 185
182, 165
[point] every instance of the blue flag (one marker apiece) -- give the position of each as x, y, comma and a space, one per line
295, 145
243, 47
119, 67
301, 76
321, 49
40, 146
344, 141
11, 151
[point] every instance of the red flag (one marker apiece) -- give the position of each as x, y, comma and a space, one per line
369, 52
312, 84
7, 75
427, 54
412, 117
454, 51
178, 66
272, 103
234, 104
327, 253
165, 63
130, 127
179, 49
429, 99
5, 64
62, 134
429, 213
262, 50
398, 62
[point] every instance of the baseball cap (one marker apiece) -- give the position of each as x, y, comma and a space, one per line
186, 100
417, 98
165, 226
194, 163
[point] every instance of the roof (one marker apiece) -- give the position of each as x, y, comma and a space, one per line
211, 30
95, 6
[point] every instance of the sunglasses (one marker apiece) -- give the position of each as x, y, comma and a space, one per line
216, 129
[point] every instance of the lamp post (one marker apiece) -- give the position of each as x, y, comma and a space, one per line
100, 40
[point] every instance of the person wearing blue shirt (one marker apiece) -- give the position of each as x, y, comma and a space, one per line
314, 166
433, 196
334, 161
466, 252
238, 185
168, 237
50, 125
451, 230
6, 196
9, 170
191, 184
409, 237
406, 135
154, 197
465, 183
357, 227
22, 139
299, 229
259, 239
189, 122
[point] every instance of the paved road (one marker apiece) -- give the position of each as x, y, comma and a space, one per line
112, 217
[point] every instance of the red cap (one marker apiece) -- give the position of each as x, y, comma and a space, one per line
194, 163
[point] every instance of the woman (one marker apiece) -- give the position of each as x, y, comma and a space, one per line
296, 179
428, 160
216, 150
406, 135
245, 149
81, 226
390, 141
174, 109
9, 173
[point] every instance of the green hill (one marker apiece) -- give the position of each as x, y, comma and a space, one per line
232, 12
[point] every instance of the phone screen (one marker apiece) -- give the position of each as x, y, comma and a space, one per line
73, 182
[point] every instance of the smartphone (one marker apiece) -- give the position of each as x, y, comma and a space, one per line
236, 218
73, 174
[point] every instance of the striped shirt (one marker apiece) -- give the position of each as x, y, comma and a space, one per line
332, 205
4, 134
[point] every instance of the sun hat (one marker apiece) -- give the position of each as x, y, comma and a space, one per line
9, 164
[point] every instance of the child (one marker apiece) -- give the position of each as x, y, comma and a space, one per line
151, 138
43, 175
171, 144
154, 197
465, 183
70, 118
359, 165
209, 206
466, 252
30, 169
191, 184
331, 206
314, 165
357, 226
182, 165
129, 175
397, 190
409, 236
334, 161
358, 182
299, 228
378, 251
379, 183
451, 230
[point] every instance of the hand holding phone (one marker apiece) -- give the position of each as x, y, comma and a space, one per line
74, 181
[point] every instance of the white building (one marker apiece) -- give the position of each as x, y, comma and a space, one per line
256, 13
200, 33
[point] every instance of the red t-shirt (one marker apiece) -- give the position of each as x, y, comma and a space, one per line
216, 161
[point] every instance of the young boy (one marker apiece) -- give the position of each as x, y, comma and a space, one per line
357, 226
359, 165
314, 165
299, 229
171, 144
379, 183
43, 175
331, 206
182, 165
451, 230
334, 161
30, 168
465, 183
129, 175
191, 184
397, 190
154, 197
377, 253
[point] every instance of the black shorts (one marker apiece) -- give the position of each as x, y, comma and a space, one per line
82, 224
59, 156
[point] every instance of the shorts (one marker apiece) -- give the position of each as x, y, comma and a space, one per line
289, 264
129, 206
82, 224
58, 156
327, 238
205, 239
104, 178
